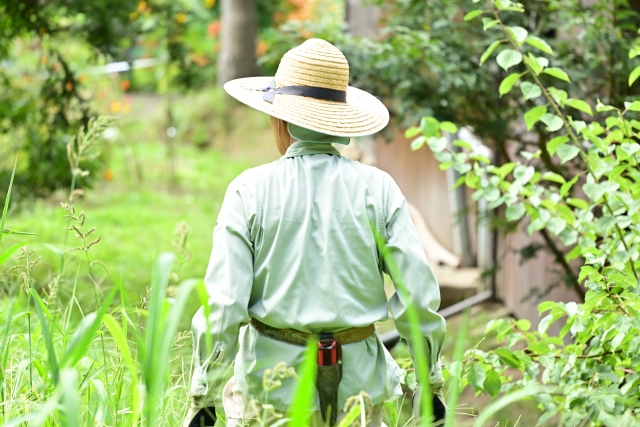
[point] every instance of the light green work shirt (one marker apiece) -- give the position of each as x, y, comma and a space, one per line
294, 248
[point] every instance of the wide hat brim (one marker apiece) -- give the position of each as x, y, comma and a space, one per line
362, 114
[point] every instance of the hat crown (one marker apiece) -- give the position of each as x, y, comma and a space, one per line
316, 63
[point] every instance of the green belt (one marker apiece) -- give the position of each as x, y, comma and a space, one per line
292, 336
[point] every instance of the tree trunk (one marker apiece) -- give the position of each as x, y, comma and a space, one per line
362, 19
237, 57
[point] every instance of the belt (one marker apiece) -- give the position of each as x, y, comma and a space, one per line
292, 336
329, 366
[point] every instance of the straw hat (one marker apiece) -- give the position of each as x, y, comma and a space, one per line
311, 89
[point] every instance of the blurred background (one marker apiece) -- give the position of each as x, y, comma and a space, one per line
155, 178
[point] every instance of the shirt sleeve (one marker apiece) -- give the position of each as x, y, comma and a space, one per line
228, 281
421, 285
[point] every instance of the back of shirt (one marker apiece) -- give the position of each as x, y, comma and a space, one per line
316, 265
295, 247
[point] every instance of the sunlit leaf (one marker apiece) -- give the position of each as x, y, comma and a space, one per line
532, 116
509, 58
508, 82
540, 44
634, 75
557, 73
487, 53
530, 90
473, 14
579, 105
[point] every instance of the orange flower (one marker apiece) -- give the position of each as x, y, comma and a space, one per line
133, 15
108, 174
102, 94
200, 60
125, 85
68, 86
142, 6
181, 18
82, 78
115, 106
262, 48
296, 3
279, 18
213, 29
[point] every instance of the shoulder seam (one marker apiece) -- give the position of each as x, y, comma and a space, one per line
378, 204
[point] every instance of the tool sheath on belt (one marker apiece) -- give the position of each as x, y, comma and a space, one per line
329, 364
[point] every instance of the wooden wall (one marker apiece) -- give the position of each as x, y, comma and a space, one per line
422, 183
514, 282
426, 186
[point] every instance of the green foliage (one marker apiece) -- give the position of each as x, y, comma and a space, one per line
589, 373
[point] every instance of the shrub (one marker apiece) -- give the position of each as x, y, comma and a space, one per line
589, 373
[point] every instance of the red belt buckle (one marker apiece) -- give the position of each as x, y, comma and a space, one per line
327, 353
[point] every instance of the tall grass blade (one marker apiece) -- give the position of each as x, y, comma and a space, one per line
4, 256
161, 331
85, 332
69, 398
390, 413
6, 201
37, 417
419, 352
120, 339
46, 334
525, 393
303, 397
458, 354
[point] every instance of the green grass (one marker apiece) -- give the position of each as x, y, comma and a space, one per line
136, 218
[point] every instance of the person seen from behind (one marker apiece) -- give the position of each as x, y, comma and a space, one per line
295, 258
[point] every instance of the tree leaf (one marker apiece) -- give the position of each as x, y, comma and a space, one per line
448, 127
508, 358
554, 177
634, 75
533, 63
515, 212
523, 173
508, 82
489, 23
473, 14
532, 116
538, 43
552, 121
463, 144
477, 377
633, 106
553, 145
509, 58
567, 152
564, 190
412, 131
557, 73
596, 191
578, 104
530, 90
417, 143
559, 95
523, 324
487, 53
492, 383
578, 203
519, 34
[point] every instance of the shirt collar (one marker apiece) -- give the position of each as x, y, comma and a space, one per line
303, 148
